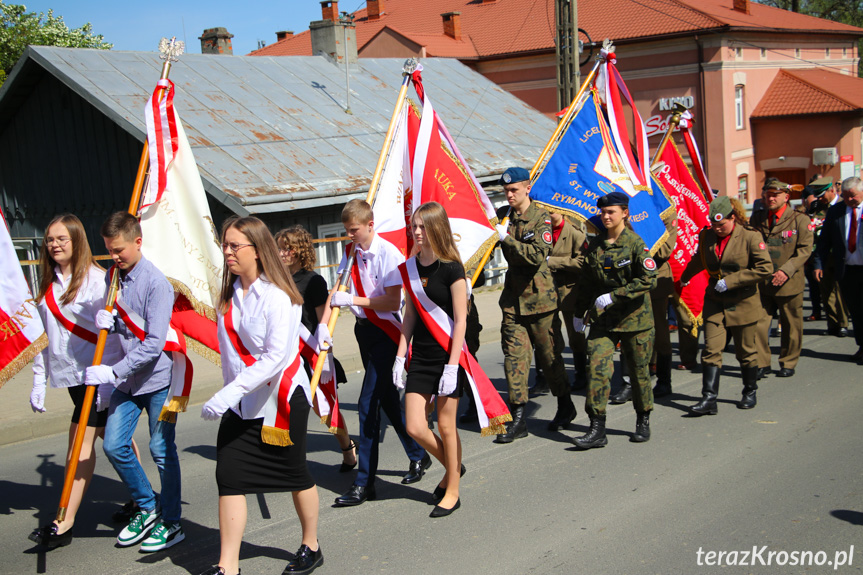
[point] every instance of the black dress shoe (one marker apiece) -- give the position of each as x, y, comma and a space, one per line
764, 372
46, 536
785, 372
842, 332
306, 561
216, 570
356, 495
439, 511
416, 470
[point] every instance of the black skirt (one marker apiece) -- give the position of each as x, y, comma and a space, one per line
245, 464
97, 418
424, 377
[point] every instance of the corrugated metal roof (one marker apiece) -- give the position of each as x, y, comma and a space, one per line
271, 133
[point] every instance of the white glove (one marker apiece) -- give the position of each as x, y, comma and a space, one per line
341, 298
578, 324
37, 396
501, 231
603, 301
322, 334
720, 286
448, 381
105, 319
103, 396
398, 371
99, 374
226, 398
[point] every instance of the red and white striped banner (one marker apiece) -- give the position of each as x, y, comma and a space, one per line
161, 137
686, 123
326, 402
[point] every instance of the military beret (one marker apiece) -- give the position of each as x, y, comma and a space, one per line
776, 185
514, 175
613, 199
720, 208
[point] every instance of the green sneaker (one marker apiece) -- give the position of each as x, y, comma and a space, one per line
138, 528
164, 535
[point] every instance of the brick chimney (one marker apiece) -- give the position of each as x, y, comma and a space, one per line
330, 10
284, 34
452, 24
328, 39
374, 9
216, 41
741, 6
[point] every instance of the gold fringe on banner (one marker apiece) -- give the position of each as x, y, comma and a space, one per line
168, 416
17, 364
200, 308
495, 425
275, 436
203, 351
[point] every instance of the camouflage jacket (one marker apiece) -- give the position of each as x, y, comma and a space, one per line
626, 271
529, 287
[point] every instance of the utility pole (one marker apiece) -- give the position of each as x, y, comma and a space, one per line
566, 49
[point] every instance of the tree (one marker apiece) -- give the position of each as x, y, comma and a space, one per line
845, 11
19, 28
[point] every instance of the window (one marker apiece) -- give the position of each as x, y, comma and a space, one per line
742, 187
826, 52
738, 53
796, 52
739, 120
330, 253
844, 52
764, 53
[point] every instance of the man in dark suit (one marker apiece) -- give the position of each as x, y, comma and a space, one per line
841, 241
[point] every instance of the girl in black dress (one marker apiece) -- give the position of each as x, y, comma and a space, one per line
298, 254
434, 370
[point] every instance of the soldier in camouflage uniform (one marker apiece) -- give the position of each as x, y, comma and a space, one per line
528, 302
615, 295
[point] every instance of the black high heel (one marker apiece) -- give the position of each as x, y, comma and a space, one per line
347, 467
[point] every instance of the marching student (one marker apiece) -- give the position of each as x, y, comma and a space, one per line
375, 298
71, 291
298, 254
435, 323
264, 405
142, 381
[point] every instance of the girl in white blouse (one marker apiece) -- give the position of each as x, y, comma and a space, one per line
264, 405
71, 291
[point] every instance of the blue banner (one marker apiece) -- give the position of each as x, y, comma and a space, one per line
585, 166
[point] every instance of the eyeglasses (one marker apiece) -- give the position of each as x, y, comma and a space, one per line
234, 247
61, 241
286, 250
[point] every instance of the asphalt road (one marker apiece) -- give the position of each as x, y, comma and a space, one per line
785, 477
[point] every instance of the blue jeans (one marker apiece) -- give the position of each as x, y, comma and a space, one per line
378, 353
122, 420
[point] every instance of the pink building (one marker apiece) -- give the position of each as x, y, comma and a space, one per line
772, 92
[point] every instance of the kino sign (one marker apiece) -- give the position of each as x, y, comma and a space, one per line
658, 124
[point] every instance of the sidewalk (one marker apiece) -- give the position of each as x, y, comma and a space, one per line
19, 423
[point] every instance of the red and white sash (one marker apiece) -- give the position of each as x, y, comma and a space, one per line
387, 322
494, 412
80, 327
326, 403
277, 412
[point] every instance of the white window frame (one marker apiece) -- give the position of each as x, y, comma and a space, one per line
739, 119
330, 253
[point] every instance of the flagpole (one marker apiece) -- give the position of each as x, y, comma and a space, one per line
169, 50
673, 122
410, 66
558, 133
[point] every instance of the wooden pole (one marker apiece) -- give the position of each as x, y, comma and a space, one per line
555, 137
140, 182
344, 278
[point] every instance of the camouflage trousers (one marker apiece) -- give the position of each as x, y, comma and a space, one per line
636, 349
519, 335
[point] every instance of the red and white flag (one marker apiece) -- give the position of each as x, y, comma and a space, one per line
22, 335
179, 234
686, 123
392, 204
692, 216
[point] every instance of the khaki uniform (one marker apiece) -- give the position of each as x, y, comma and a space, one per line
743, 265
624, 270
831, 299
529, 302
789, 244
565, 263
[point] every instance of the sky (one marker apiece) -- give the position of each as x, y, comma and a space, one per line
140, 26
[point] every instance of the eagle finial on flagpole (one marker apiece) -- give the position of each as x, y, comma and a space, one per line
170, 51
411, 65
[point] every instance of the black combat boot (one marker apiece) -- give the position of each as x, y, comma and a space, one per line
515, 429
580, 380
595, 436
709, 389
642, 427
622, 396
750, 377
565, 413
663, 376
540, 384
